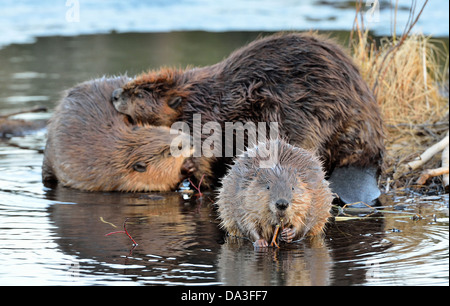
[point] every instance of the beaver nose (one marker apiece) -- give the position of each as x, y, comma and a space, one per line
116, 94
281, 204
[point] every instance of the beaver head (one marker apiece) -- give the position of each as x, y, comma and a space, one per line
281, 191
154, 97
152, 159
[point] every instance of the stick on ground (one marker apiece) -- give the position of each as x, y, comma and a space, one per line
426, 174
445, 163
429, 153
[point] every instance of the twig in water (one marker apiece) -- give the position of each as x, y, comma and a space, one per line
274, 238
124, 232
199, 184
103, 220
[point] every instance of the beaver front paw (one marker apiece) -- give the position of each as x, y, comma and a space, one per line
260, 243
287, 235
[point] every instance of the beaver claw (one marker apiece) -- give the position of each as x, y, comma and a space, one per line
260, 243
287, 235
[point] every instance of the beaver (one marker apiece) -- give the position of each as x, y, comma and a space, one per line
293, 191
92, 147
303, 81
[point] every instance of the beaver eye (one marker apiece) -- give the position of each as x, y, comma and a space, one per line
293, 188
139, 95
140, 167
268, 187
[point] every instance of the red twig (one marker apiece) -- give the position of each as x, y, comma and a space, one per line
124, 232
199, 184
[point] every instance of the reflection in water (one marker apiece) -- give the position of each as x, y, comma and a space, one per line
56, 236
175, 238
179, 242
299, 264
35, 74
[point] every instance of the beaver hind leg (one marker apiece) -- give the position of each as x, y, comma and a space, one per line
353, 184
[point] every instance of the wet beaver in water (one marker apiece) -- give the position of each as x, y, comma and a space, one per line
292, 192
306, 83
92, 147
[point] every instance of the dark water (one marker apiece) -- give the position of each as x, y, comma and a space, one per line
56, 236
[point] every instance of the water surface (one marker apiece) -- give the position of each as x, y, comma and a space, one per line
56, 236
21, 21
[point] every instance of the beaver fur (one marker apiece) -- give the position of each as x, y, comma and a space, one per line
305, 82
92, 147
252, 200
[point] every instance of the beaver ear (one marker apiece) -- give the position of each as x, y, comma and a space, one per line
139, 167
175, 102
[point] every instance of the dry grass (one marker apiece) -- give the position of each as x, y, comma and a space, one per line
408, 83
407, 76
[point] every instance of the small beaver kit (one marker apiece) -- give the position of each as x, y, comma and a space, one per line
92, 147
291, 195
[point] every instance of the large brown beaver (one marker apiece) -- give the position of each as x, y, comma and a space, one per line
306, 83
292, 192
92, 147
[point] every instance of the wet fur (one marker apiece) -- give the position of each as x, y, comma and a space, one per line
245, 205
305, 82
92, 147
